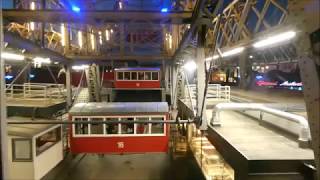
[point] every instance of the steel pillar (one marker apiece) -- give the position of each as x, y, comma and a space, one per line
3, 110
245, 70
310, 75
301, 19
201, 77
68, 86
174, 73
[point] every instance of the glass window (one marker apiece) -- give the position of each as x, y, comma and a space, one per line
47, 140
134, 76
81, 128
142, 128
155, 76
112, 128
126, 75
21, 149
157, 128
96, 128
127, 128
120, 75
141, 75
147, 75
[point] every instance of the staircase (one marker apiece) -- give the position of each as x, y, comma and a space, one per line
82, 97
93, 83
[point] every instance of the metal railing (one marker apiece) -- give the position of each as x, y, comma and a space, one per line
215, 91
35, 91
304, 132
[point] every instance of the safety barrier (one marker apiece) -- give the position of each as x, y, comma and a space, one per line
215, 91
35, 91
304, 132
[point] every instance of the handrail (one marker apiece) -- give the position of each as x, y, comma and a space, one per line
189, 91
304, 133
34, 90
215, 91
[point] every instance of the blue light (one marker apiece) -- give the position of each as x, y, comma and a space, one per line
164, 10
300, 88
31, 76
291, 88
259, 77
75, 9
8, 77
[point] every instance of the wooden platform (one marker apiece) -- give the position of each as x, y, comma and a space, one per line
34, 102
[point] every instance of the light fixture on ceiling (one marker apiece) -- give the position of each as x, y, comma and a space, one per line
212, 58
80, 42
80, 67
232, 52
41, 60
63, 38
190, 66
75, 8
164, 10
276, 39
12, 56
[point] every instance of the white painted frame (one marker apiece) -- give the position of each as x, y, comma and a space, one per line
119, 127
144, 75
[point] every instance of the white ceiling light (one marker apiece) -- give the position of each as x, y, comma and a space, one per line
12, 56
41, 60
275, 39
212, 58
80, 67
233, 52
190, 66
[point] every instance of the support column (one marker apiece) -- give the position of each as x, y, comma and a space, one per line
245, 70
173, 85
201, 77
310, 75
3, 111
122, 39
68, 86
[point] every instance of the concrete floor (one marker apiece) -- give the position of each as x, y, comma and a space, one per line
149, 166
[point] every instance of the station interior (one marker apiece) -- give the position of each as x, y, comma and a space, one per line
160, 89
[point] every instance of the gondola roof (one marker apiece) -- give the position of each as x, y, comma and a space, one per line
118, 108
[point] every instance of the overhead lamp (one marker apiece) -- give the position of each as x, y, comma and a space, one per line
107, 35
80, 42
164, 10
8, 77
233, 52
100, 37
32, 7
92, 38
120, 5
170, 41
80, 67
190, 66
12, 56
282, 37
75, 8
40, 60
212, 58
63, 38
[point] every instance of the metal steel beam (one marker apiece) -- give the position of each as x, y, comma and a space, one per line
31, 47
3, 111
196, 17
94, 58
94, 17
